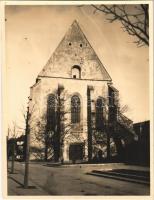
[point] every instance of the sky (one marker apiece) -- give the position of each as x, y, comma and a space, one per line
33, 33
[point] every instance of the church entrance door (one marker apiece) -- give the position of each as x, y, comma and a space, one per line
76, 152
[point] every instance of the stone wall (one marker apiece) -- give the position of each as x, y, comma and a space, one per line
38, 105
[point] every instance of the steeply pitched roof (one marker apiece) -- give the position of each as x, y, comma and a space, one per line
75, 36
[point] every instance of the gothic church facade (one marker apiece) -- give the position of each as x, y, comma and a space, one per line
69, 101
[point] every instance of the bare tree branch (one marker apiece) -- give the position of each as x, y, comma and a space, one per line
134, 19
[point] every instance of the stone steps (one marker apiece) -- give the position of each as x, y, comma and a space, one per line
123, 176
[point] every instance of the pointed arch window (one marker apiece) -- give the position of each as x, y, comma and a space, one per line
99, 114
75, 109
76, 72
51, 112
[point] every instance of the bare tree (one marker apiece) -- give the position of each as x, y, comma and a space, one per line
13, 134
63, 125
14, 131
134, 19
124, 109
112, 130
53, 127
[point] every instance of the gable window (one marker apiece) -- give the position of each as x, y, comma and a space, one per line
75, 109
76, 72
99, 114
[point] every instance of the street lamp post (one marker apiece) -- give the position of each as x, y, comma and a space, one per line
27, 134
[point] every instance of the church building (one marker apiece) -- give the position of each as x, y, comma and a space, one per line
73, 106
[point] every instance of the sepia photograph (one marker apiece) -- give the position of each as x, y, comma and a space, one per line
77, 112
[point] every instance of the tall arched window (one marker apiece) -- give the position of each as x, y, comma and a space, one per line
51, 112
76, 71
99, 114
75, 109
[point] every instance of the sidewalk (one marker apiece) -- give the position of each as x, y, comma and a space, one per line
16, 185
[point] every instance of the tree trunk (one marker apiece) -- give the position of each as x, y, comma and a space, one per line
13, 157
58, 132
108, 144
89, 125
46, 150
120, 149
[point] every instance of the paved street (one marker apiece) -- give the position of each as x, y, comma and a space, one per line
46, 179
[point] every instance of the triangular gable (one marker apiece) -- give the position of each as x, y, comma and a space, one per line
75, 49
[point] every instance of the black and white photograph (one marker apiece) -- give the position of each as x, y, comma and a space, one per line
77, 111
